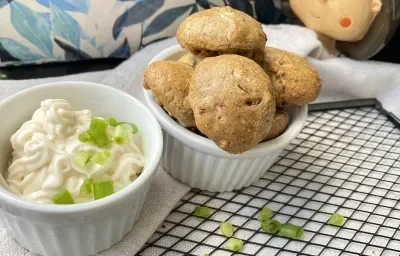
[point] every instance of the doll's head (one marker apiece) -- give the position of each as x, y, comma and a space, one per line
343, 20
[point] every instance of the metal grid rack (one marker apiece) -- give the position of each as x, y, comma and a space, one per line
345, 160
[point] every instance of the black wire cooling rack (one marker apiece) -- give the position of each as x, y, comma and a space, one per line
345, 160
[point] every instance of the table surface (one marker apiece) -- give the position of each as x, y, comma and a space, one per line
344, 161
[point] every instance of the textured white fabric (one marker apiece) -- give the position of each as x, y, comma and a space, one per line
343, 79
9, 87
165, 192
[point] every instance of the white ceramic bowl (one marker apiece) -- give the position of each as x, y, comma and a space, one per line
198, 162
79, 229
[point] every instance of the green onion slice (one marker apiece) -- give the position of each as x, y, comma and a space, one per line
336, 219
63, 197
101, 157
201, 211
82, 158
100, 138
132, 125
86, 188
85, 137
111, 121
234, 244
121, 134
265, 214
102, 189
98, 124
97, 132
270, 226
226, 229
291, 231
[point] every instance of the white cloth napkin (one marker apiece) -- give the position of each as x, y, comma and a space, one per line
164, 193
343, 79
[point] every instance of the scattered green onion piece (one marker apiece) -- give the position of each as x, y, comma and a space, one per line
101, 157
201, 211
82, 158
111, 121
291, 231
102, 189
85, 137
226, 229
100, 138
120, 134
234, 244
336, 219
132, 125
63, 197
98, 124
4, 76
270, 226
265, 214
86, 188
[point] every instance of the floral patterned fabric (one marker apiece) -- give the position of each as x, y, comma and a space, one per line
37, 31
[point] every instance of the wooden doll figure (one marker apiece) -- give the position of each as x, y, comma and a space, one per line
342, 20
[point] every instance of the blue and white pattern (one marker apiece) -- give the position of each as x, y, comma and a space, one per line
36, 31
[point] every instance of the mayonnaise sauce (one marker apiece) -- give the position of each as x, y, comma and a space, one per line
44, 149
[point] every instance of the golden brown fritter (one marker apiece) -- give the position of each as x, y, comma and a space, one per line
169, 81
193, 60
295, 81
279, 124
221, 30
232, 101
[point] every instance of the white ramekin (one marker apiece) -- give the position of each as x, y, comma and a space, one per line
80, 229
198, 162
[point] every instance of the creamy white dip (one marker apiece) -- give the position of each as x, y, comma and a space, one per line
44, 148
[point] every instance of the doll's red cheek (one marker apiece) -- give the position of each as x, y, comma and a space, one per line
345, 22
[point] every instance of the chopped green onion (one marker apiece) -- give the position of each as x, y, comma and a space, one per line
100, 138
291, 231
336, 219
111, 121
82, 158
98, 125
101, 157
85, 137
120, 134
201, 211
234, 244
265, 214
226, 229
63, 197
86, 188
132, 125
270, 226
102, 189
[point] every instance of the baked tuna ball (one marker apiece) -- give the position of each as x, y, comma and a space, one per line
221, 30
295, 81
232, 101
169, 81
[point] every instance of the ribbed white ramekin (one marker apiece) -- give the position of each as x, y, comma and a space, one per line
198, 162
79, 229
